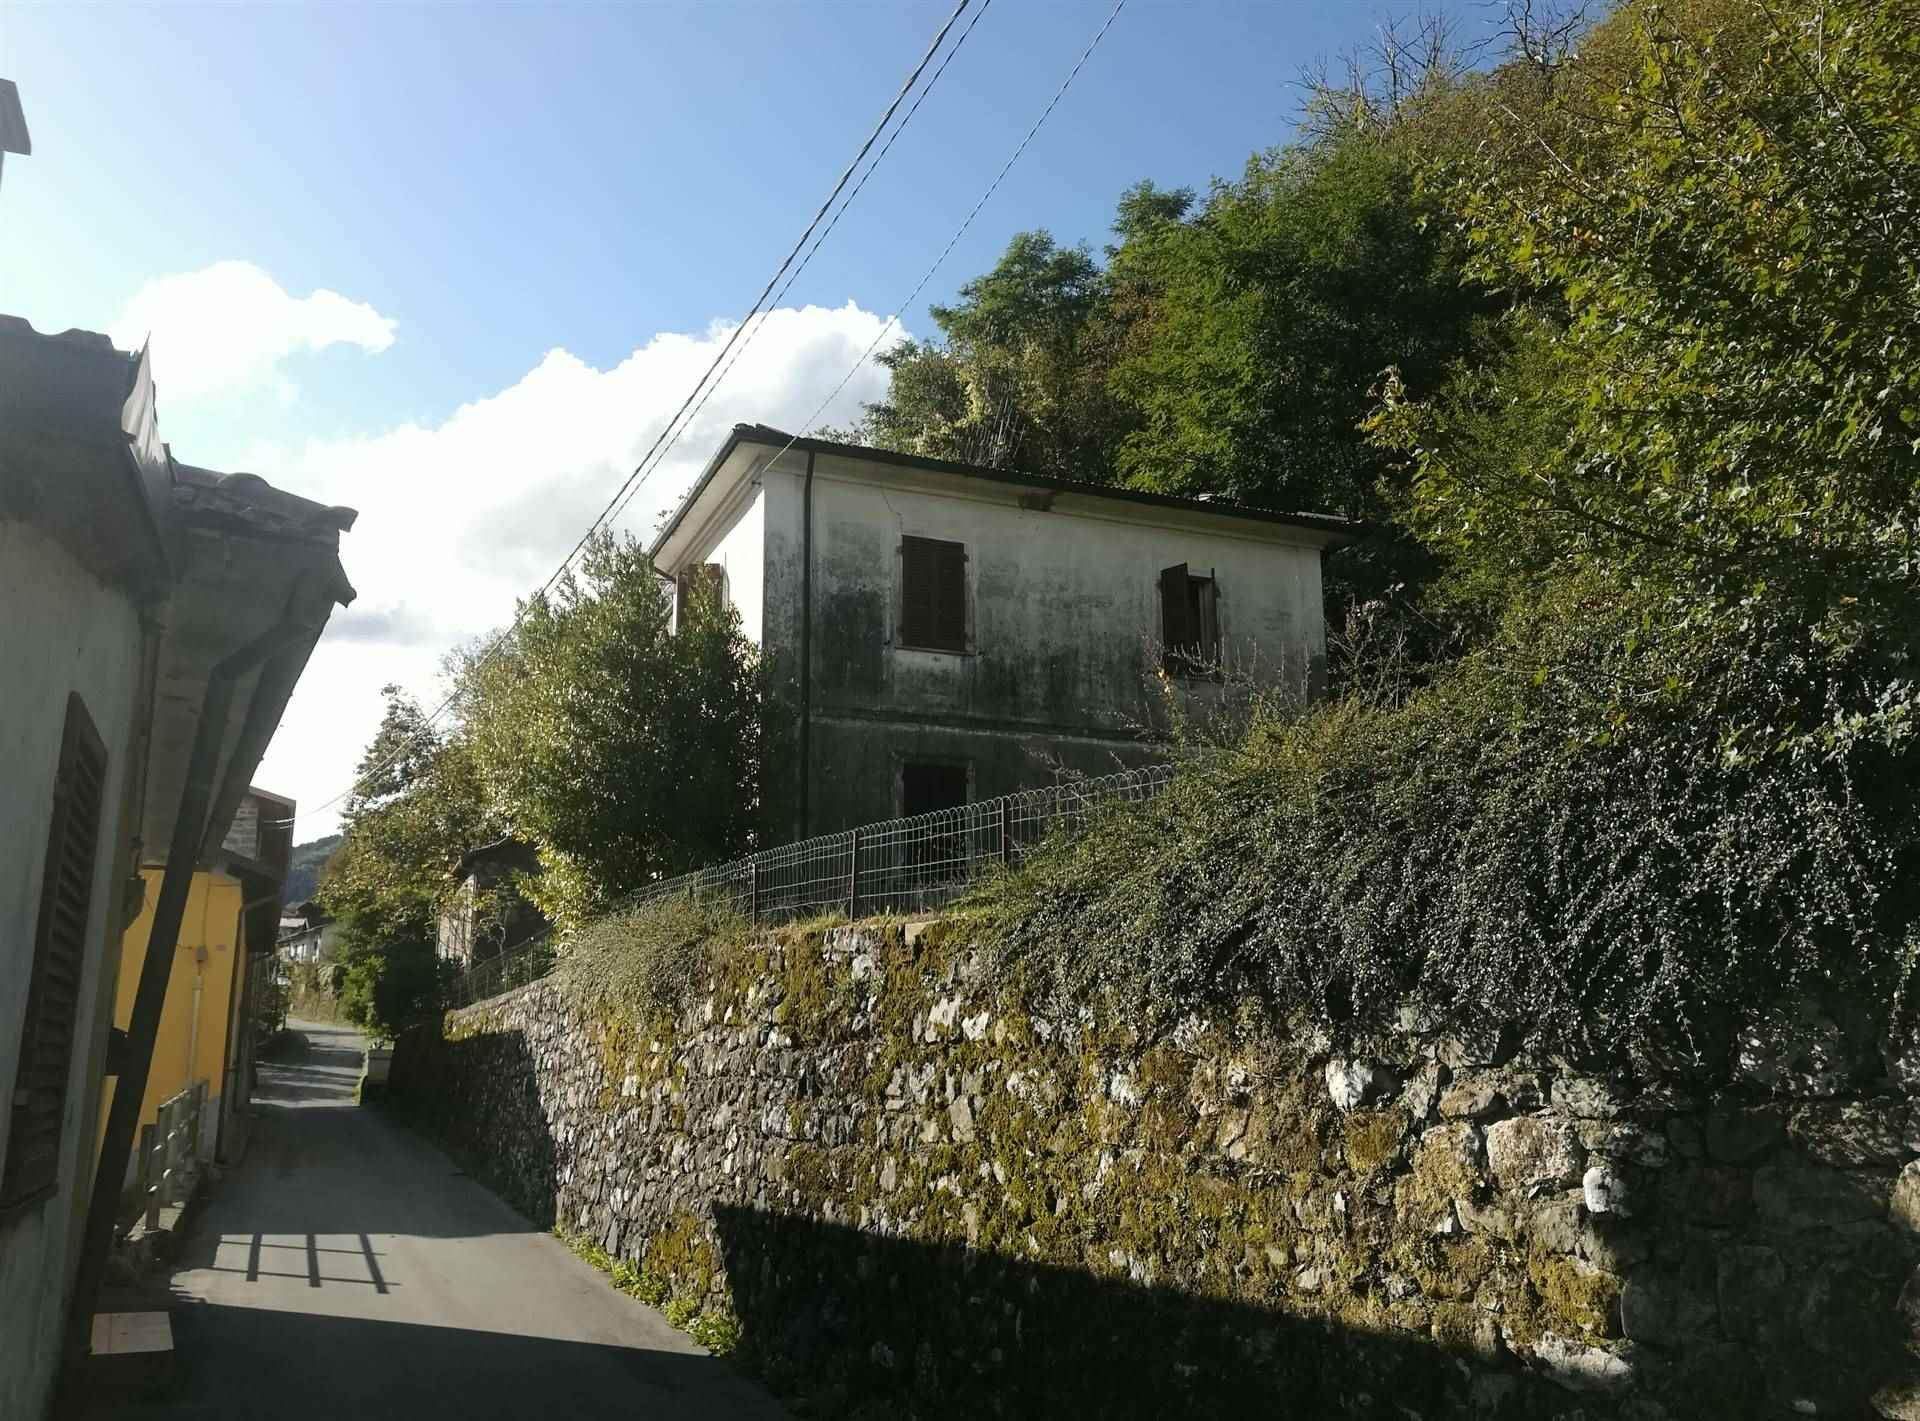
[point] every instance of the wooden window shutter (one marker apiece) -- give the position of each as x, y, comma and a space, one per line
950, 621
1206, 630
59, 958
933, 600
1177, 631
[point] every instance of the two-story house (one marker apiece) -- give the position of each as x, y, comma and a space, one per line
939, 633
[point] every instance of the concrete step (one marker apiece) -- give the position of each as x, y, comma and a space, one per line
132, 1356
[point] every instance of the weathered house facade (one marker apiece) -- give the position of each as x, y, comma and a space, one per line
486, 913
939, 634
157, 618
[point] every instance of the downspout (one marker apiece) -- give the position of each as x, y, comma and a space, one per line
183, 855
806, 645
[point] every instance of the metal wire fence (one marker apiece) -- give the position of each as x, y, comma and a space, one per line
900, 866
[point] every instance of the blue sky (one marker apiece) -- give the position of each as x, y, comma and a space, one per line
509, 201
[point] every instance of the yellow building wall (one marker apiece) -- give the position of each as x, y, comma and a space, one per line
192, 1042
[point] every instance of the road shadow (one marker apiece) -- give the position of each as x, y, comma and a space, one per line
354, 1367
472, 1095
905, 1328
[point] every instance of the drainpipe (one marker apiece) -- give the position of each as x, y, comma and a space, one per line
183, 854
806, 645
193, 1022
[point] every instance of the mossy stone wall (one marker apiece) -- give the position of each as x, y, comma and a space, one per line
918, 1198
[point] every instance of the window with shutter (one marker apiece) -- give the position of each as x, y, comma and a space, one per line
706, 579
933, 600
59, 957
1189, 623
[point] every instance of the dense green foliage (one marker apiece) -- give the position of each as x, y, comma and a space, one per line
625, 748
622, 748
647, 960
1018, 381
1229, 347
1675, 486
1484, 848
1713, 385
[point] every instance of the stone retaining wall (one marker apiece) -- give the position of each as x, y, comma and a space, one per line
917, 1200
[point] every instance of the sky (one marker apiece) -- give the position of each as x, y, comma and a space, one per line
455, 265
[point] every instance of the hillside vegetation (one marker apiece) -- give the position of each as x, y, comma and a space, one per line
1613, 343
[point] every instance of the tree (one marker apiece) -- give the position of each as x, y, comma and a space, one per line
626, 749
1276, 309
1020, 379
417, 806
1708, 400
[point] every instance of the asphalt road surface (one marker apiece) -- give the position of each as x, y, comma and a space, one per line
349, 1269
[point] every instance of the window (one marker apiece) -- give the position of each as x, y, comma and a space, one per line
704, 579
933, 596
1189, 623
927, 787
59, 956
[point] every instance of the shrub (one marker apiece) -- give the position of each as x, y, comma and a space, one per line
1585, 850
650, 958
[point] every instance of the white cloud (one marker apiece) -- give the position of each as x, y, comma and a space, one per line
459, 518
225, 329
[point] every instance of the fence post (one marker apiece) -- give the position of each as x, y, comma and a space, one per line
150, 1172
1006, 849
753, 890
853, 877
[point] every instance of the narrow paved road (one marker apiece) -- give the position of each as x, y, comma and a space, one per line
349, 1269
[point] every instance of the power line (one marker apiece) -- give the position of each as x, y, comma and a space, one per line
865, 356
961, 231
781, 294
660, 442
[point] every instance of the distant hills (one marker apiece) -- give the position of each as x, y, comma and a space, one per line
303, 870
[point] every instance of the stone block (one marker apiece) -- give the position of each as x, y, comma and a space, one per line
1422, 1090
1607, 1190
1752, 1286
1533, 1153
1663, 1309
1737, 1134
1899, 1398
1618, 1140
1579, 1367
1586, 1097
1851, 1133
1796, 1196
1354, 1084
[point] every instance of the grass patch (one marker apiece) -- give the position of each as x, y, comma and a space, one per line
718, 1332
649, 960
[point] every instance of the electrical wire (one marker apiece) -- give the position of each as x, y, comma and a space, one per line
781, 294
866, 355
954, 241
706, 382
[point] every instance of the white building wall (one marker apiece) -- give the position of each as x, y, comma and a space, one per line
741, 551
63, 632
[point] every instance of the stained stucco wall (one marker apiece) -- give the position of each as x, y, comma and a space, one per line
63, 632
1062, 608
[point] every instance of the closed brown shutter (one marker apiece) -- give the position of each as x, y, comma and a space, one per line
59, 957
933, 602
1177, 631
